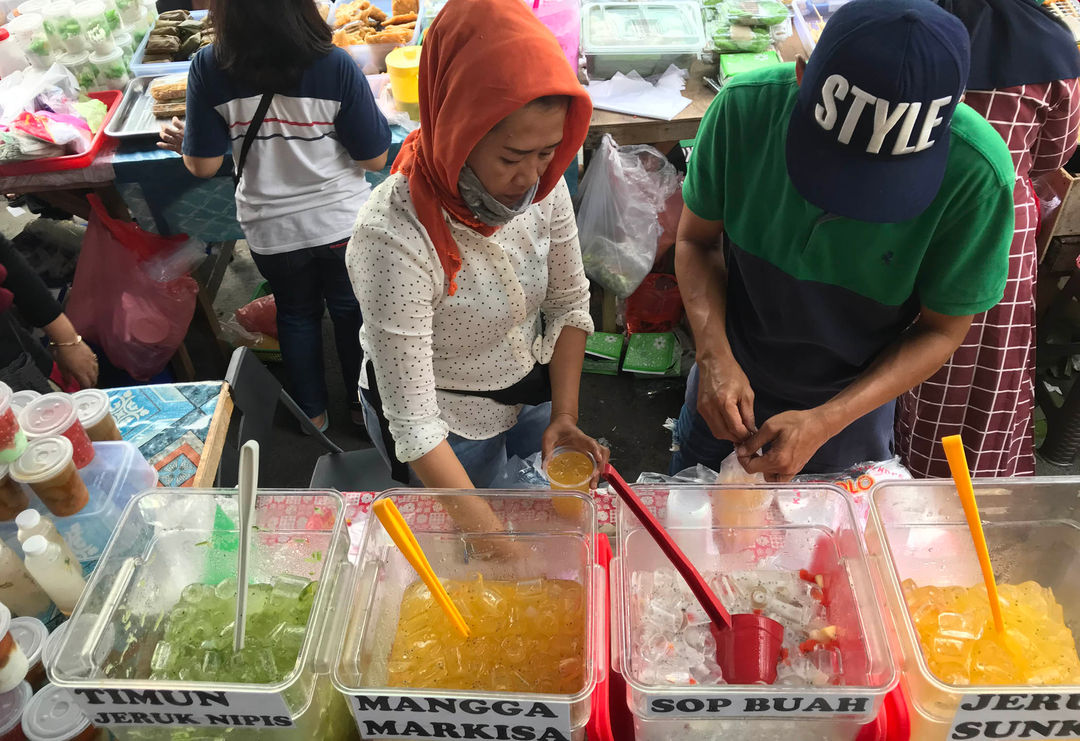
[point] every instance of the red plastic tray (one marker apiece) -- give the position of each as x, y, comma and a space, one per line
111, 99
599, 726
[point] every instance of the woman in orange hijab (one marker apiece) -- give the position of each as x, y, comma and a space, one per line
466, 260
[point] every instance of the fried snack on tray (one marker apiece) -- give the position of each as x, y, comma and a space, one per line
400, 20
169, 88
360, 22
401, 7
169, 109
391, 36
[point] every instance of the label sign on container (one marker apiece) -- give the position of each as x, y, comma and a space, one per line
382, 716
786, 705
191, 708
1007, 715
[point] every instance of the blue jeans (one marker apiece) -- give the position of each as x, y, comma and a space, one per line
869, 438
303, 282
483, 460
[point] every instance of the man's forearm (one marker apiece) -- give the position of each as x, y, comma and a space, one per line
909, 361
566, 362
703, 285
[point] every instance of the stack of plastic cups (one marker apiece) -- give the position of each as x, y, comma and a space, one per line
111, 69
57, 414
12, 436
29, 31
95, 25
47, 467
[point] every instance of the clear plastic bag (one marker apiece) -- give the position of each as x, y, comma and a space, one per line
622, 193
138, 321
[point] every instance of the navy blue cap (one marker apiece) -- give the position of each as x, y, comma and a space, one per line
869, 135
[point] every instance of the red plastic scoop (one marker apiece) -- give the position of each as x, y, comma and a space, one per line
747, 646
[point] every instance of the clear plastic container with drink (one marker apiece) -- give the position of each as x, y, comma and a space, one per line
13, 497
12, 436
18, 590
12, 704
112, 74
792, 555
31, 522
48, 468
569, 469
31, 634
158, 613
53, 715
57, 414
13, 663
525, 581
956, 665
95, 413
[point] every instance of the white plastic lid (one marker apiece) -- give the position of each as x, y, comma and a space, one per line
5, 396
58, 8
53, 716
93, 404
5, 619
21, 399
24, 23
31, 6
35, 545
112, 55
52, 643
43, 458
122, 38
30, 633
74, 59
11, 706
47, 415
89, 8
28, 519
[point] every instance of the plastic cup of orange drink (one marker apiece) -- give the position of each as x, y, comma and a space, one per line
569, 469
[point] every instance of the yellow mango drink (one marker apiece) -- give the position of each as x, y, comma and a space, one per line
526, 636
569, 470
961, 646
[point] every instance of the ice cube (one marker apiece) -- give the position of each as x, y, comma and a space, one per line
212, 663
226, 589
962, 625
258, 597
288, 588
195, 594
163, 657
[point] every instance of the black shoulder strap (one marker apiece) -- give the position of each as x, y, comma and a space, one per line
249, 137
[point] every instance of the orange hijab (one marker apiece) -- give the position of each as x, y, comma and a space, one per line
482, 60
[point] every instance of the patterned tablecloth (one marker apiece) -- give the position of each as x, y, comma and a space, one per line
168, 423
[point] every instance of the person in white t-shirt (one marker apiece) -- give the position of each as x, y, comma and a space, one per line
466, 260
303, 178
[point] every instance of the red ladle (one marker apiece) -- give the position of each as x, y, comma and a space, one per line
747, 645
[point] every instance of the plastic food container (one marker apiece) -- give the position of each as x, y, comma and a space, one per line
56, 414
52, 715
13, 663
29, 31
12, 437
78, 64
918, 532
645, 37
753, 538
96, 416
403, 64
12, 704
30, 633
94, 25
112, 74
117, 473
112, 15
48, 468
131, 12
127, 46
62, 28
810, 19
172, 557
537, 545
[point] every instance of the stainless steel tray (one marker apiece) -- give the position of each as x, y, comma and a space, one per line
135, 118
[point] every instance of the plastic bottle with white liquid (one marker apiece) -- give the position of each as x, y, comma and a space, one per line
691, 509
18, 590
60, 577
31, 523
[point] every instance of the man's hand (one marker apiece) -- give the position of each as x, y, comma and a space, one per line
725, 400
172, 136
563, 431
792, 437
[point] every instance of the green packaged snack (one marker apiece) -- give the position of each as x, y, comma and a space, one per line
733, 64
653, 354
741, 38
756, 12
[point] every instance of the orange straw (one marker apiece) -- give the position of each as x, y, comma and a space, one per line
403, 538
954, 452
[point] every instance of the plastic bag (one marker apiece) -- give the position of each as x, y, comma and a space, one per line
139, 322
53, 89
756, 12
859, 479
259, 316
655, 306
623, 191
733, 37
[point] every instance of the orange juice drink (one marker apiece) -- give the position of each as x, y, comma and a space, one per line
569, 470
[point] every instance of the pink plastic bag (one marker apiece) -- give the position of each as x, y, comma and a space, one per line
259, 315
138, 321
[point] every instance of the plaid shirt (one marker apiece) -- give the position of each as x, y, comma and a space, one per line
985, 392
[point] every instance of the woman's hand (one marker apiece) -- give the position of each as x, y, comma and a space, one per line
172, 136
563, 431
77, 362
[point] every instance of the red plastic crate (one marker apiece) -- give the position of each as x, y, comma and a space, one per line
111, 99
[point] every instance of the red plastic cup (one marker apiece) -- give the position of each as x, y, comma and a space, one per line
749, 651
57, 414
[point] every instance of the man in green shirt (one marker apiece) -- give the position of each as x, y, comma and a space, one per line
844, 220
